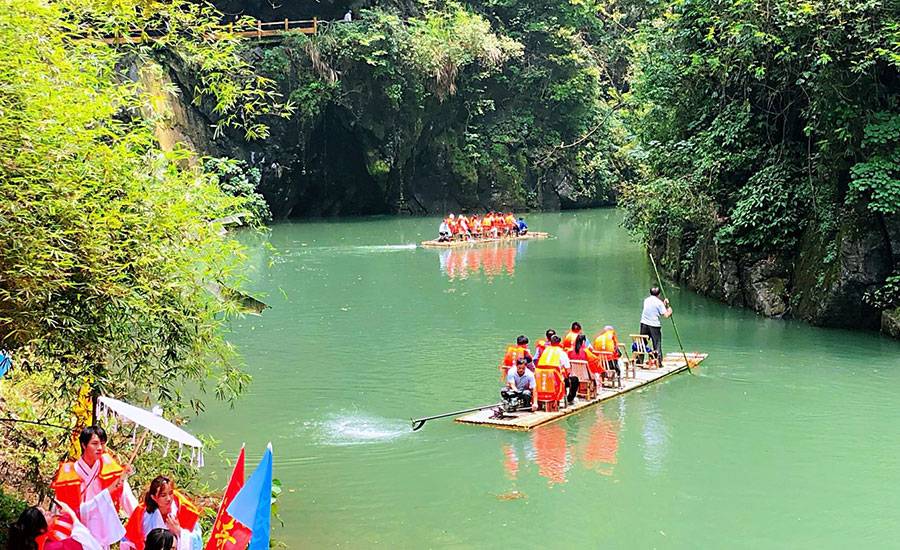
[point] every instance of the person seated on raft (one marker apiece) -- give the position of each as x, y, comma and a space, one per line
477, 232
607, 343
554, 356
444, 232
518, 351
569, 341
579, 350
520, 384
543, 343
511, 227
521, 227
464, 233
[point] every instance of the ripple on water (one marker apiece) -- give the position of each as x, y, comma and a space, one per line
356, 428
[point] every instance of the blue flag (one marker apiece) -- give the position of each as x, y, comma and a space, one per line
252, 506
5, 363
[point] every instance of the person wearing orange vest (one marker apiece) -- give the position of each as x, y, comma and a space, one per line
543, 343
518, 351
487, 225
477, 232
453, 224
555, 357
569, 341
164, 507
95, 487
607, 344
510, 224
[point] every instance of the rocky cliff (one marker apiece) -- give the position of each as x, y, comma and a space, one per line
826, 281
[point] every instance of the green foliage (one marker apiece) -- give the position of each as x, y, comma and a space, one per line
876, 180
107, 245
766, 111
10, 510
238, 179
887, 296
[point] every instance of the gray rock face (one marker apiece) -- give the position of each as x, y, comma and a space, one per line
824, 282
890, 322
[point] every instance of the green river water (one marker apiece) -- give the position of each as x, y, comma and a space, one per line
787, 437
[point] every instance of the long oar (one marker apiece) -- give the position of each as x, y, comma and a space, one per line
417, 423
671, 317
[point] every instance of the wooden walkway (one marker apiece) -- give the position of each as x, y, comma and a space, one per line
459, 244
263, 30
527, 420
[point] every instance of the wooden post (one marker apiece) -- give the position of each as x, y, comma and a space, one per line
285, 24
259, 29
315, 25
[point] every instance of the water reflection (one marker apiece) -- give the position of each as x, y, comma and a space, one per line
554, 450
492, 259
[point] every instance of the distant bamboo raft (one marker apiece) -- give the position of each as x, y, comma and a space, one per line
527, 420
456, 244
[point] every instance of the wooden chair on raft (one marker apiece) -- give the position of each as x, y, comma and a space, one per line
626, 363
642, 352
587, 386
597, 366
549, 388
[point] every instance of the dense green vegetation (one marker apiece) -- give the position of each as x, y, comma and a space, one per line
107, 246
497, 101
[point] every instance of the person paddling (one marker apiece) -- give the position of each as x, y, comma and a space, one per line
651, 326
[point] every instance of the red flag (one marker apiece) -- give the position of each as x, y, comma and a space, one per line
228, 534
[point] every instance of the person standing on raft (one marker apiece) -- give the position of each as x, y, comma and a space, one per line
654, 307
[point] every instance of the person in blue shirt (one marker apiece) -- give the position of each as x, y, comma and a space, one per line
521, 227
520, 385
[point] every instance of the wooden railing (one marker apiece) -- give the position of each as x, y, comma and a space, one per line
267, 29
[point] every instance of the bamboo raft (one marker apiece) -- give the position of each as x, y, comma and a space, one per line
673, 363
457, 244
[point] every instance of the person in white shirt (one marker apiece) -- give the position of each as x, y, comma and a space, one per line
348, 17
654, 308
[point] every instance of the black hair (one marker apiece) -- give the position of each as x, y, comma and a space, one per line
521, 361
654, 291
30, 525
86, 434
550, 333
554, 339
154, 489
522, 340
576, 325
579, 342
159, 539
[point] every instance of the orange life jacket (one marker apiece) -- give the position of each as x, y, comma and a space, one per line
453, 225
513, 353
595, 362
187, 516
569, 341
510, 220
487, 221
540, 346
608, 342
551, 358
549, 384
67, 484
476, 225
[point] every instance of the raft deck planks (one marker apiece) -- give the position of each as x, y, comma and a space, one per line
527, 420
457, 244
